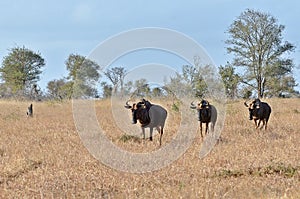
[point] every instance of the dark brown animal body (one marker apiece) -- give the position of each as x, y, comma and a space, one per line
259, 111
206, 114
29, 111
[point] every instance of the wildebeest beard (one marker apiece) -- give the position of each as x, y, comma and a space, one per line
256, 112
141, 114
204, 115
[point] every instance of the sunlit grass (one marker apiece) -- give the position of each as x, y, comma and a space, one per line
43, 156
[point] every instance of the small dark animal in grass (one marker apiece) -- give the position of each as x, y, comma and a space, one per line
30, 111
149, 115
259, 111
207, 113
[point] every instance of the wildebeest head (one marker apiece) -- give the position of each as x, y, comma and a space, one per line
201, 105
204, 110
139, 112
255, 104
254, 107
204, 104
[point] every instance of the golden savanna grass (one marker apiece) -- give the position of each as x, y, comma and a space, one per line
43, 156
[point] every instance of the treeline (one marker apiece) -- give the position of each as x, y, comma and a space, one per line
261, 67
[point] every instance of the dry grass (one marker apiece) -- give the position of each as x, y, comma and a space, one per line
43, 157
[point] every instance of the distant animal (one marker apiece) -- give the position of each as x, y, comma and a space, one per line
259, 111
207, 113
149, 116
29, 111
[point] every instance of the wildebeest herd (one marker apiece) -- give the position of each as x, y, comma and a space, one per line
154, 116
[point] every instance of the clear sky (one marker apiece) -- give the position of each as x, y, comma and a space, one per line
58, 28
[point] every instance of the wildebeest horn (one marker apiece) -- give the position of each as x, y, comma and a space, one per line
127, 105
192, 105
245, 103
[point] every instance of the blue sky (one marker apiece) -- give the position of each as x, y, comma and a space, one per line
58, 28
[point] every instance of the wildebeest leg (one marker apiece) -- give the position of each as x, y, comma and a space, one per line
201, 129
160, 130
255, 121
151, 132
264, 124
206, 128
212, 127
258, 123
161, 134
143, 131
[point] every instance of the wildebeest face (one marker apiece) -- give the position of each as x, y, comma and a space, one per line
135, 109
254, 108
203, 104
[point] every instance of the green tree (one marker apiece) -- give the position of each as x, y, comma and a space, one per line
194, 77
278, 86
107, 90
128, 88
60, 89
83, 74
230, 80
256, 41
116, 76
4, 91
178, 86
21, 69
246, 92
189, 82
142, 88
157, 92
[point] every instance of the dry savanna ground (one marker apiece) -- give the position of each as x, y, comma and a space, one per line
43, 156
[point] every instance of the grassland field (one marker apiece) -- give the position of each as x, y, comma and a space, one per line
44, 157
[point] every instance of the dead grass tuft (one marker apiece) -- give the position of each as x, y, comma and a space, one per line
287, 171
127, 138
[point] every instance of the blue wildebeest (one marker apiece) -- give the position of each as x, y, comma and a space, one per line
259, 111
29, 111
207, 113
149, 115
